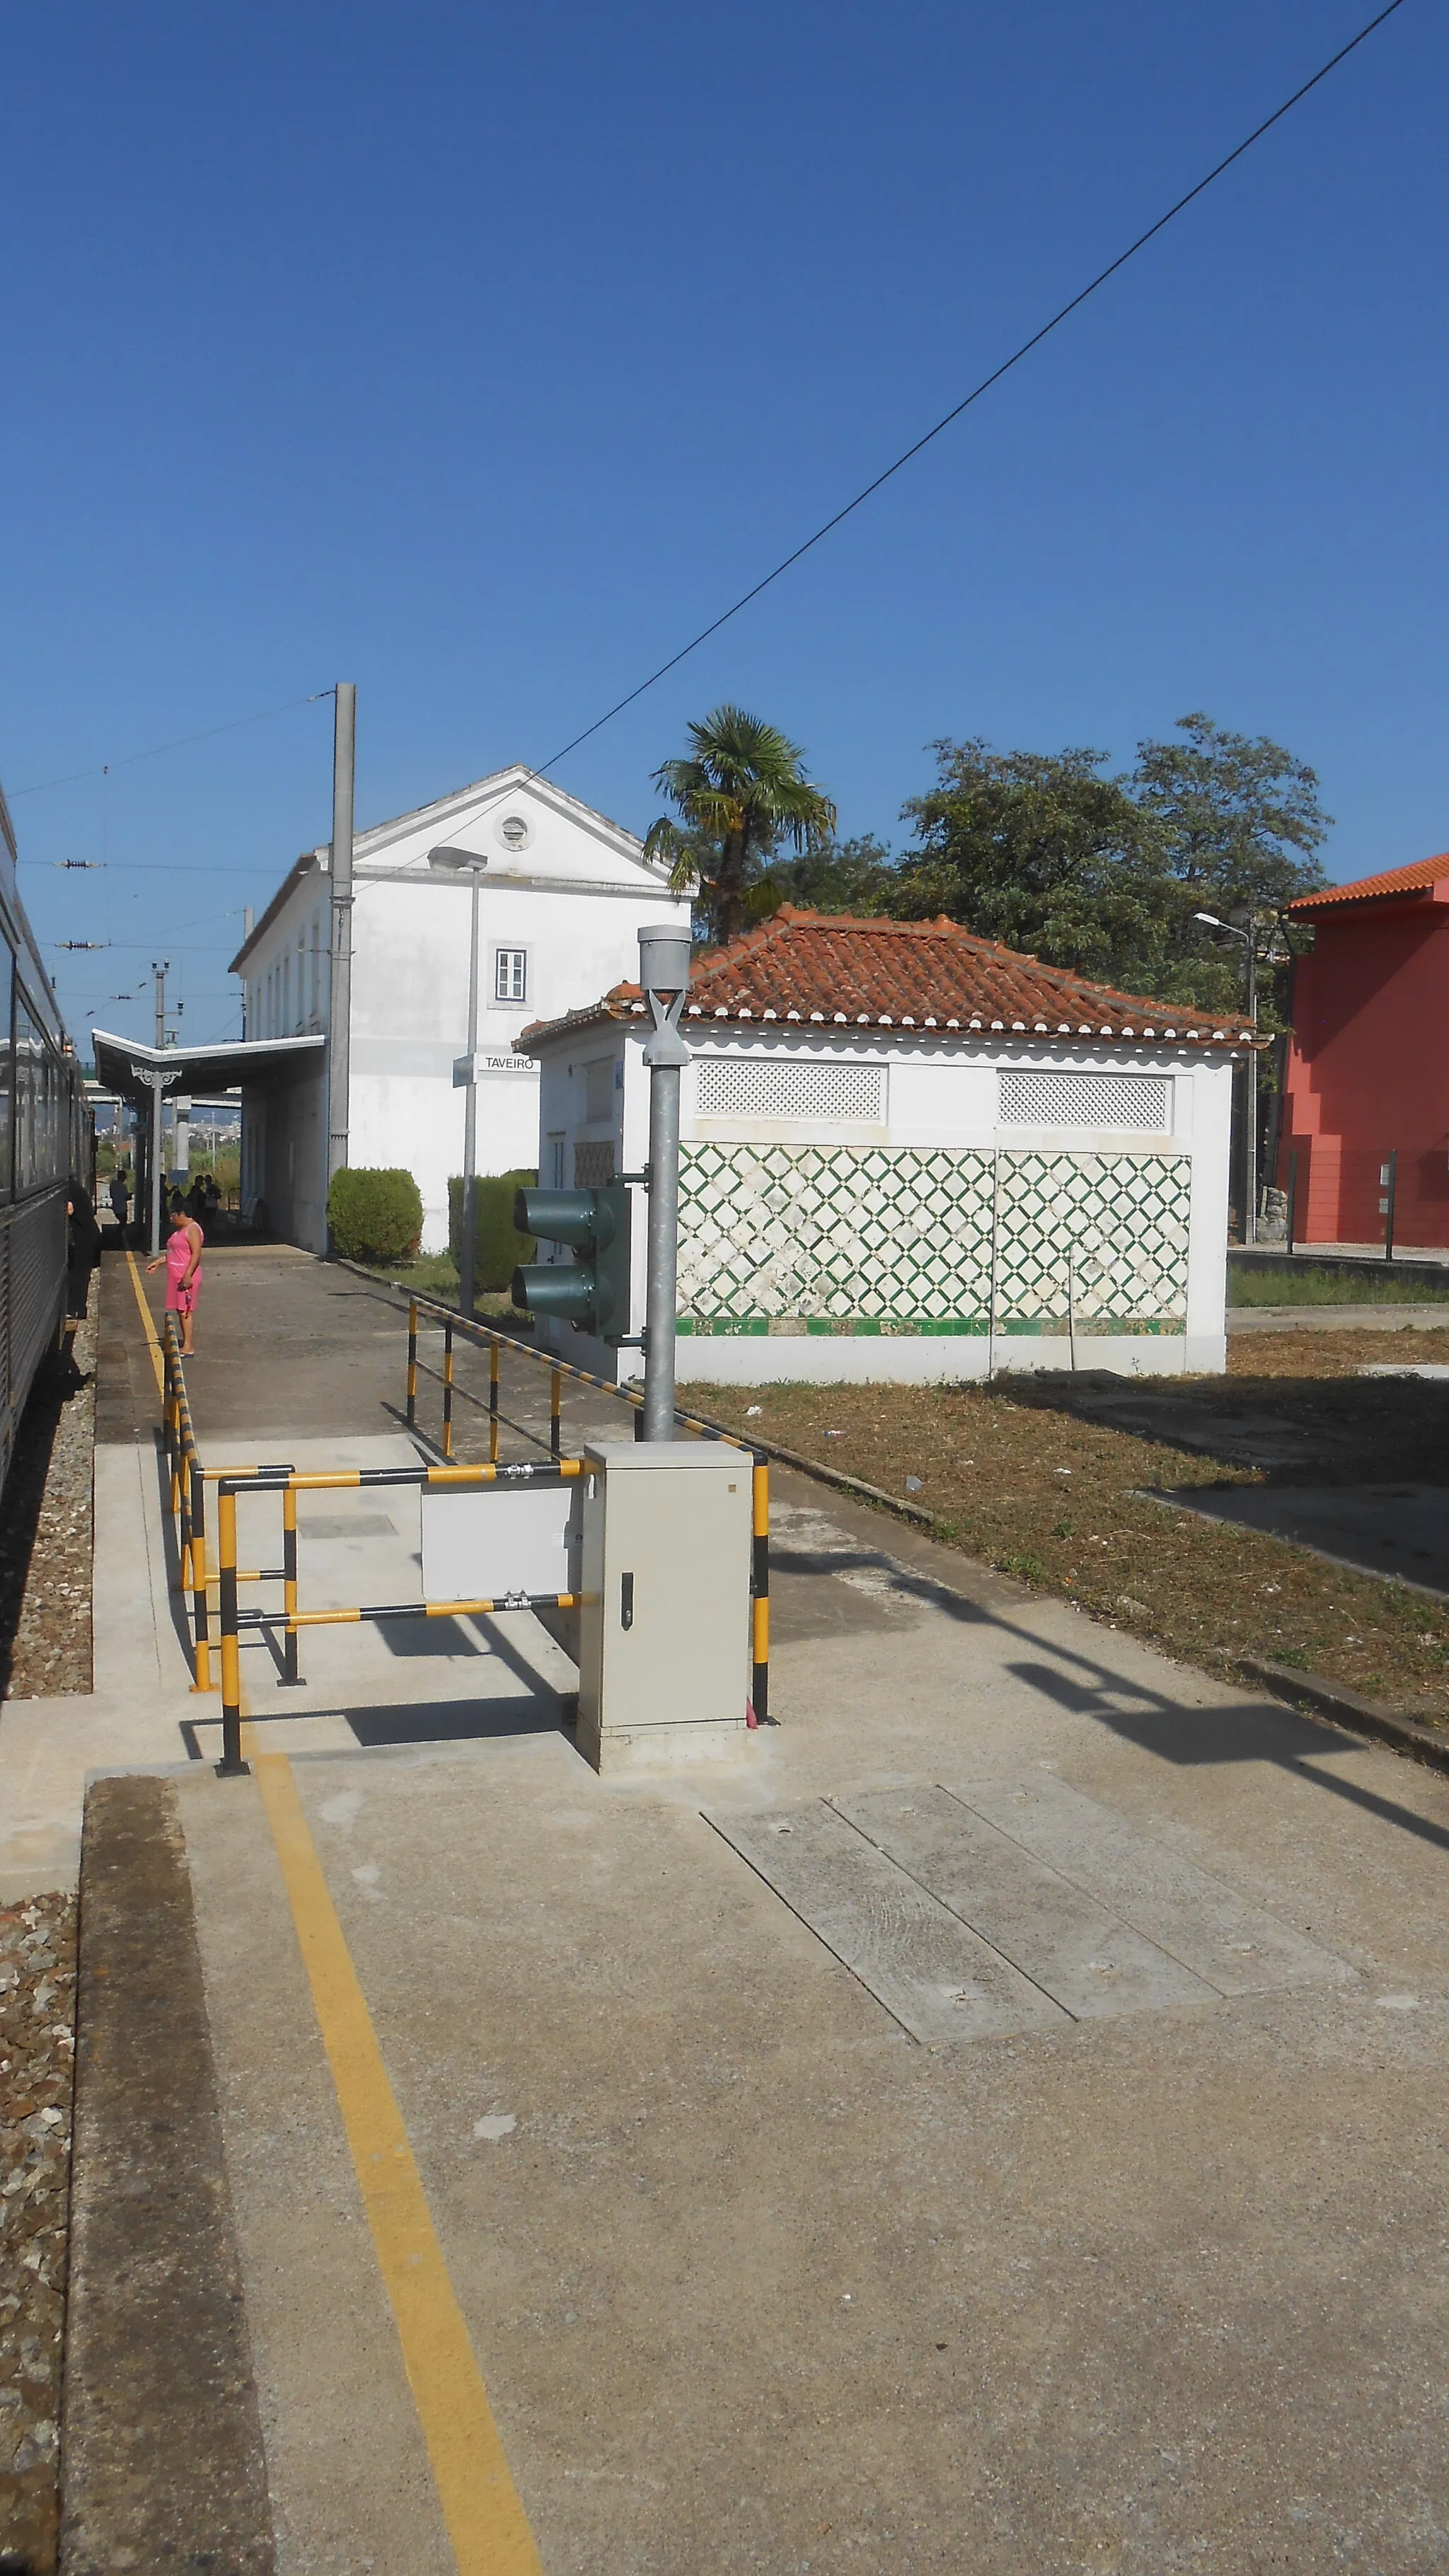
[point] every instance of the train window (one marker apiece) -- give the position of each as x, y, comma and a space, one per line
7, 1070
41, 1137
27, 1080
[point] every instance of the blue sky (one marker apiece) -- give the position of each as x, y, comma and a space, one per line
481, 355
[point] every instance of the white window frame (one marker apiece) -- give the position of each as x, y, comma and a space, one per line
518, 956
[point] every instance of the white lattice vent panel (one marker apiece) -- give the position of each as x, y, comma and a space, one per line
1048, 1099
758, 1087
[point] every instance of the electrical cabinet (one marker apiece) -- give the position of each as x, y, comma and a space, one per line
664, 1629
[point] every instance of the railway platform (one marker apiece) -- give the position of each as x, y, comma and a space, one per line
996, 2125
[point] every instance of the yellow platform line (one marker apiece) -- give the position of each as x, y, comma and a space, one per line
482, 2509
484, 2515
147, 1326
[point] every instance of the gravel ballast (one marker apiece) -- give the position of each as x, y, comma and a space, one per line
37, 2044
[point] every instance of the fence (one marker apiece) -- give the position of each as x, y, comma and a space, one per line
483, 1336
187, 1480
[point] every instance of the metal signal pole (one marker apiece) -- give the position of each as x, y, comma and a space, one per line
339, 1000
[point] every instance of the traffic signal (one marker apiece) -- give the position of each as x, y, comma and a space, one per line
591, 1292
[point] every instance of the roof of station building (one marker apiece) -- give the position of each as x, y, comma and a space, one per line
1421, 877
822, 969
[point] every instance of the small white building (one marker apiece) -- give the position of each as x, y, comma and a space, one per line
565, 895
908, 1153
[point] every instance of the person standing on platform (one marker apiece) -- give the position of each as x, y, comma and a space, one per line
182, 1257
82, 1247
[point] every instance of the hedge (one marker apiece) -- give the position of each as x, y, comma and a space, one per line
374, 1215
499, 1247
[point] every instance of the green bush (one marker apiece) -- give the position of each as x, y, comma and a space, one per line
374, 1216
499, 1248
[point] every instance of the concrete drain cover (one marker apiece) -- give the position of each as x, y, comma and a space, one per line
1013, 1905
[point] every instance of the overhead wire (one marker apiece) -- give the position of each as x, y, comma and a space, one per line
1073, 305
183, 742
838, 517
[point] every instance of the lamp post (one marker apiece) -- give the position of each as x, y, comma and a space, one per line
156, 1078
664, 980
1250, 1074
448, 862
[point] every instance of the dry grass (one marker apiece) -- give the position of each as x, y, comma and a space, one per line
1016, 1476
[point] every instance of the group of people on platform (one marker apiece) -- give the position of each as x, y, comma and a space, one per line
182, 1255
201, 1203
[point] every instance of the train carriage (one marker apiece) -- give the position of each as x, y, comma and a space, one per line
44, 1130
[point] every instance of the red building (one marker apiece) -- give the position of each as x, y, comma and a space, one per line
1368, 1065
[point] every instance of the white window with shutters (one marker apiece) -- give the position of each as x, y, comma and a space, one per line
1034, 1096
789, 1087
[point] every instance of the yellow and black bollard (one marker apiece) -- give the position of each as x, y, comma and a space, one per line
447, 1390
760, 1587
197, 1543
231, 1765
493, 1402
292, 1679
412, 1362
555, 1406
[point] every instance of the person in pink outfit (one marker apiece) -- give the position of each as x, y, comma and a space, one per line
182, 1257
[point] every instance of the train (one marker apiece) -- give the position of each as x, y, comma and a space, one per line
46, 1134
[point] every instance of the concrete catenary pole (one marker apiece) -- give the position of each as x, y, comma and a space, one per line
663, 971
157, 1089
339, 1005
1250, 1097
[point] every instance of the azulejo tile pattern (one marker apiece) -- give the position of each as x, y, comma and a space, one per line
842, 1238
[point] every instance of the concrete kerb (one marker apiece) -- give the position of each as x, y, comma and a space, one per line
1350, 1708
162, 2437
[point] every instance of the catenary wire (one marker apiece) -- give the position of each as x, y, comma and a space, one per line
183, 743
858, 499
907, 454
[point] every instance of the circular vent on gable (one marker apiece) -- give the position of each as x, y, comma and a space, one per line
515, 831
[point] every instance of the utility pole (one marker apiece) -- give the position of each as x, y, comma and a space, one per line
1250, 1140
339, 1001
157, 1089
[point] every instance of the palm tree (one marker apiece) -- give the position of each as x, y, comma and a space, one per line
740, 792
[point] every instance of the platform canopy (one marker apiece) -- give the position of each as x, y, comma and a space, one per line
128, 1066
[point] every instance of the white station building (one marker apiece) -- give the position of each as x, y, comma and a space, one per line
908, 1153
564, 897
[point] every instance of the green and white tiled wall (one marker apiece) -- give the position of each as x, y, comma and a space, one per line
911, 1242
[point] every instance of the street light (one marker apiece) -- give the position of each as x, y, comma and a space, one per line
664, 981
448, 862
1250, 1076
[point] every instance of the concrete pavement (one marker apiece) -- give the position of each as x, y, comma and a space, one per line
754, 2278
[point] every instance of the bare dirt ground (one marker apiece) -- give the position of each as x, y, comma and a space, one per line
1028, 1476
37, 2014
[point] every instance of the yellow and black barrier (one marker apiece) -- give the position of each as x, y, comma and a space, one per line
187, 1495
289, 1482
484, 1336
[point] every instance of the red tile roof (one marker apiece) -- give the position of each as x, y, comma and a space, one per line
1420, 878
815, 967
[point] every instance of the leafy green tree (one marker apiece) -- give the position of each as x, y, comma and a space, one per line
1238, 821
1039, 850
1237, 817
739, 793
856, 877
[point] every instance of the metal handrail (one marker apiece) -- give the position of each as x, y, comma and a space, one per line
487, 1335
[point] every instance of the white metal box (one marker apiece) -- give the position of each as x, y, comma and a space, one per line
490, 1542
664, 1637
